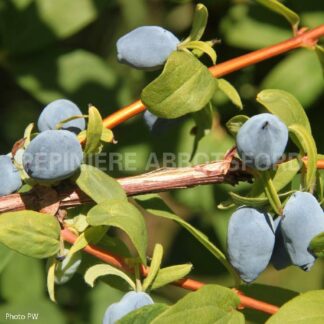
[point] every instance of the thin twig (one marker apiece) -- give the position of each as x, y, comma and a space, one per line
157, 181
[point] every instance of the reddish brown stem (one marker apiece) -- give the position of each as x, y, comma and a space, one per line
188, 284
303, 39
157, 181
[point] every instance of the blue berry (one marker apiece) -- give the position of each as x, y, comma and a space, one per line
250, 241
57, 111
261, 141
146, 48
302, 220
10, 180
53, 155
130, 302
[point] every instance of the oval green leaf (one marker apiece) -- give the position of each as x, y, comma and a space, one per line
199, 23
127, 217
184, 86
94, 131
210, 304
30, 233
282, 10
305, 141
154, 266
98, 185
235, 123
168, 275
144, 315
230, 92
99, 270
304, 309
284, 105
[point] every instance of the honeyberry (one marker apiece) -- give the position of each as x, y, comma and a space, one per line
303, 219
130, 302
10, 180
57, 111
250, 241
261, 141
280, 258
53, 155
146, 47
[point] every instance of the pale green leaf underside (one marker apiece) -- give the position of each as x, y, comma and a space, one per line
184, 86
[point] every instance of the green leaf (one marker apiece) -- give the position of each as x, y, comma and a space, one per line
184, 86
269, 294
281, 177
304, 140
91, 235
282, 10
201, 47
50, 75
13, 279
299, 74
199, 23
94, 131
319, 186
252, 201
320, 54
168, 275
285, 106
100, 270
107, 135
155, 205
248, 201
235, 123
204, 122
154, 266
271, 192
127, 217
46, 20
50, 282
252, 27
30, 233
230, 92
98, 185
317, 245
28, 133
144, 315
304, 309
5, 256
210, 304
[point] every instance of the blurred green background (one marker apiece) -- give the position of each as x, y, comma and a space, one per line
66, 49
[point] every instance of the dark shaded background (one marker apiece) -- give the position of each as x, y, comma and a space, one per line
66, 49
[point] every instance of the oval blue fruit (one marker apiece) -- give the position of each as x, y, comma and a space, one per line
130, 302
146, 47
250, 241
280, 258
57, 111
10, 180
302, 220
53, 155
261, 141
